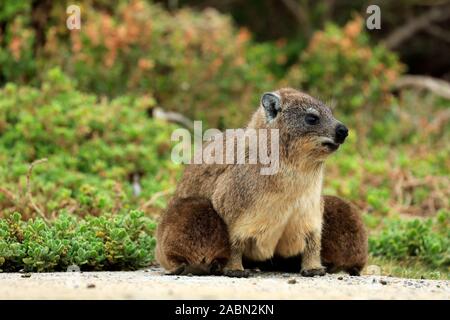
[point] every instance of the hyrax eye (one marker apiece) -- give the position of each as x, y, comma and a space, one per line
311, 119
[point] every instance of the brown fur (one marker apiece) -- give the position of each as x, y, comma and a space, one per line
195, 238
344, 242
344, 237
264, 214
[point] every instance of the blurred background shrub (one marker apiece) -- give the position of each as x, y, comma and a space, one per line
341, 62
95, 149
86, 100
197, 63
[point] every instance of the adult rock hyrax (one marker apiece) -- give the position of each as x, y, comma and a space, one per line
264, 214
344, 242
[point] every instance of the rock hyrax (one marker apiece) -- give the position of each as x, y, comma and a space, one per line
270, 214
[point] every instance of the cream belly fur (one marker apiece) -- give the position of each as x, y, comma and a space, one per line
281, 223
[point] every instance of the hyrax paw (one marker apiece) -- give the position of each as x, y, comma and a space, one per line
236, 273
313, 272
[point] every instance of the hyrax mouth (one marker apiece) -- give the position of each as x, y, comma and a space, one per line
330, 145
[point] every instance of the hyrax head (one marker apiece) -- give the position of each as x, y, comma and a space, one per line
306, 124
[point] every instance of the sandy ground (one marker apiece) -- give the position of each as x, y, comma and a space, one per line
153, 284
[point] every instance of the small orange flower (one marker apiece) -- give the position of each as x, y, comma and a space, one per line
346, 43
390, 75
353, 28
243, 36
76, 41
15, 47
92, 33
145, 64
281, 43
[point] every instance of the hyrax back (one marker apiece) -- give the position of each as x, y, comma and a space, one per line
344, 237
192, 238
344, 242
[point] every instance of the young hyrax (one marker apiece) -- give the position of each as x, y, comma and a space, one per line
344, 237
193, 238
264, 214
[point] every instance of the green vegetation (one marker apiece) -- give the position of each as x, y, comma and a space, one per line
119, 242
84, 99
94, 150
197, 63
425, 241
407, 269
341, 62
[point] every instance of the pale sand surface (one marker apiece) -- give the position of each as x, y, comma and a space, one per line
153, 284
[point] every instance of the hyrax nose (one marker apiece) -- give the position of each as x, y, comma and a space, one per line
341, 133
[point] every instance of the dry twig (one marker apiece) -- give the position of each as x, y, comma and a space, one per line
437, 86
416, 24
28, 192
155, 197
175, 117
8, 194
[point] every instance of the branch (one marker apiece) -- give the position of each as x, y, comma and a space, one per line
8, 194
414, 25
155, 197
29, 195
439, 33
159, 113
173, 5
299, 13
437, 86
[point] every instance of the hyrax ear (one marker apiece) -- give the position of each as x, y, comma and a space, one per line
272, 105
